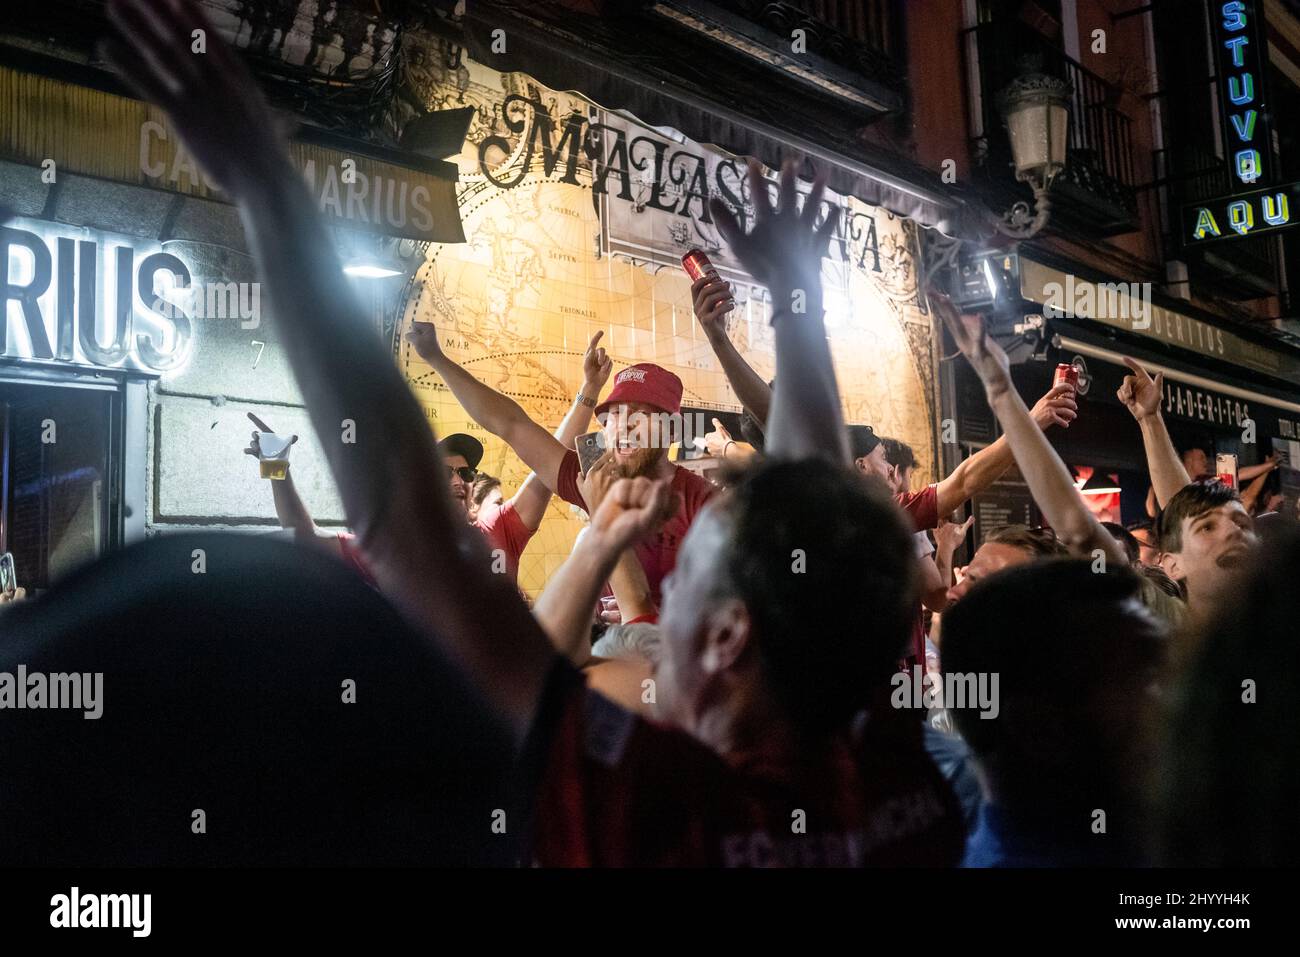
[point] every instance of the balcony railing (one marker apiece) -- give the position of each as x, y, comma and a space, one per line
1095, 192
864, 38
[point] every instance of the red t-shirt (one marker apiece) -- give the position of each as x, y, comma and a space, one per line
504, 529
352, 556
619, 791
658, 553
923, 509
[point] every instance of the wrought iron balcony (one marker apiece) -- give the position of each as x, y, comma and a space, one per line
851, 50
1095, 192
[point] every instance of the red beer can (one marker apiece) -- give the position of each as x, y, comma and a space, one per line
1066, 373
697, 264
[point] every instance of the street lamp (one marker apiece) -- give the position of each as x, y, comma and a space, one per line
1036, 109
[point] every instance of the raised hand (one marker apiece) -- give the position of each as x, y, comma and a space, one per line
630, 510
949, 535
208, 93
255, 443
1057, 407
784, 249
716, 441
596, 367
986, 357
597, 481
1140, 393
423, 338
712, 299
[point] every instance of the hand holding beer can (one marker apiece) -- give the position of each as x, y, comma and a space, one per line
697, 264
1066, 374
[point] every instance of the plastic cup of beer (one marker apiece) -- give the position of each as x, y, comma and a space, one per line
274, 459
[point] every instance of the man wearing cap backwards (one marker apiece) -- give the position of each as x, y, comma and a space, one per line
635, 417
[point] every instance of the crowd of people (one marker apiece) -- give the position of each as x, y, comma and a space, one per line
719, 674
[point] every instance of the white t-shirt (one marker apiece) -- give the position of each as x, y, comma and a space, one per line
923, 546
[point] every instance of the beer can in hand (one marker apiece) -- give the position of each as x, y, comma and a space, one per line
697, 264
1067, 374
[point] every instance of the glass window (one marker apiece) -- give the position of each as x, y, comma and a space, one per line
55, 484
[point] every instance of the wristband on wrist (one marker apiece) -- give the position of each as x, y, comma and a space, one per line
726, 445
589, 403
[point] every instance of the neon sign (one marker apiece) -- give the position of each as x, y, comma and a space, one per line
1255, 213
1241, 57
1253, 206
80, 297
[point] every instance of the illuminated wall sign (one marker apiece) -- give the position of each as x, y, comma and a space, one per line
80, 297
636, 173
1239, 38
112, 137
1252, 206
1259, 211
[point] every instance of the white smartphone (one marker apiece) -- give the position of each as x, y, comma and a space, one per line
1225, 467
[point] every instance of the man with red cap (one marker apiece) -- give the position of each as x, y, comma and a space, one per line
638, 420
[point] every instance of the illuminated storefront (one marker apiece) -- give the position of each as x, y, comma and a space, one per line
133, 335
575, 221
557, 219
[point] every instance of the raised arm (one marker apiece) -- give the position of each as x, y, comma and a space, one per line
405, 524
947, 538
533, 496
1143, 395
976, 473
712, 299
564, 608
1248, 473
784, 252
1250, 494
628, 510
499, 414
721, 445
1048, 479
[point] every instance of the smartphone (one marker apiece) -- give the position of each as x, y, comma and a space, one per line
1225, 467
590, 447
8, 577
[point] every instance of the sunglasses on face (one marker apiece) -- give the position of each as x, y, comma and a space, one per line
467, 474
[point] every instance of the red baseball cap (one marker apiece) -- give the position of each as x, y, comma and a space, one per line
646, 383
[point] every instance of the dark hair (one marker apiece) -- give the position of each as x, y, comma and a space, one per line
831, 602
1057, 635
862, 441
1231, 769
1038, 542
899, 454
483, 485
1125, 538
1191, 502
751, 431
228, 691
